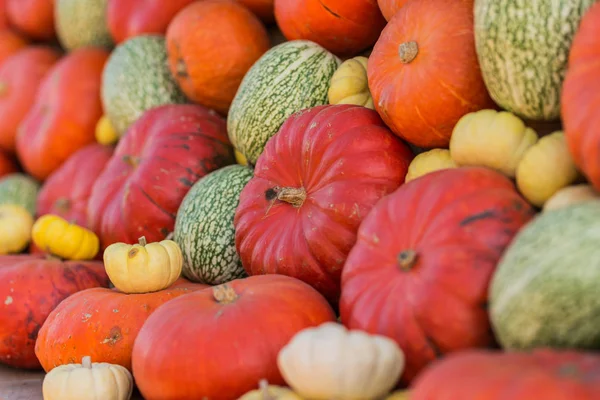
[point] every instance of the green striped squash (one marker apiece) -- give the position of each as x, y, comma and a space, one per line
204, 226
19, 189
81, 23
523, 47
544, 292
136, 78
288, 78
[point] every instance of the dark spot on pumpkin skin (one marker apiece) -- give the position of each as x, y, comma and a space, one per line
132, 252
165, 232
186, 182
477, 217
270, 194
114, 335
329, 10
433, 345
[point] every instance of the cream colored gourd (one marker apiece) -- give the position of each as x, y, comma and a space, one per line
546, 168
399, 395
88, 381
570, 196
331, 362
143, 267
493, 139
105, 132
270, 392
58, 236
15, 228
429, 161
349, 84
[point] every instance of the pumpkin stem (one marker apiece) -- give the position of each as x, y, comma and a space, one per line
131, 160
263, 385
290, 195
86, 362
407, 259
142, 241
224, 294
408, 51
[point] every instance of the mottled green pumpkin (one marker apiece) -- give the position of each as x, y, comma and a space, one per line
81, 23
19, 189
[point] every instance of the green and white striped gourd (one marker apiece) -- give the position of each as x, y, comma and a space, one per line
288, 78
523, 48
204, 226
81, 23
19, 189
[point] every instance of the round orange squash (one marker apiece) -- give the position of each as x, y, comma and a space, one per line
10, 43
211, 45
390, 7
35, 18
264, 9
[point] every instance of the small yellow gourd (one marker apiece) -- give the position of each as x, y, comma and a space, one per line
270, 392
88, 381
493, 139
57, 236
331, 362
545, 168
349, 84
429, 161
143, 267
15, 228
240, 158
571, 195
105, 133
399, 395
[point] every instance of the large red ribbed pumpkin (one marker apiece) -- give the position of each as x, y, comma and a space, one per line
316, 180
30, 288
581, 96
390, 7
8, 164
424, 257
218, 343
153, 167
423, 72
487, 375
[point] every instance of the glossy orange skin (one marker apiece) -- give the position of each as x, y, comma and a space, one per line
196, 347
64, 115
211, 45
341, 26
390, 7
101, 323
7, 164
34, 18
422, 100
10, 43
20, 78
30, 288
486, 375
264, 9
581, 95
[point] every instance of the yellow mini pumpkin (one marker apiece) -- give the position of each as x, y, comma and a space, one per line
240, 158
571, 195
349, 84
15, 228
270, 392
57, 236
545, 168
493, 139
429, 161
88, 381
105, 133
399, 395
143, 267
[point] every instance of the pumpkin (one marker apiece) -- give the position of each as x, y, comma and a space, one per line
30, 288
429, 161
271, 392
264, 9
240, 159
430, 249
492, 375
342, 27
163, 154
172, 361
61, 238
488, 138
571, 195
579, 92
317, 179
20, 77
51, 131
102, 323
399, 395
66, 192
390, 7
8, 164
211, 45
81, 23
3, 18
88, 381
35, 18
15, 228
423, 71
105, 132
545, 168
349, 84
20, 189
330, 362
10, 44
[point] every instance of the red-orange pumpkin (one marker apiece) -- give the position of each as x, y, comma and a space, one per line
423, 72
64, 115
424, 257
30, 288
3, 17
341, 26
581, 96
8, 164
390, 7
35, 18
264, 9
218, 343
10, 43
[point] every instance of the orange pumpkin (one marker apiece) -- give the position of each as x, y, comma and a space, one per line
35, 18
211, 45
64, 115
3, 16
8, 164
264, 9
423, 72
10, 43
390, 7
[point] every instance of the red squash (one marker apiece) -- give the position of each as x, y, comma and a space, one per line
3, 17
390, 7
64, 115
486, 375
264, 9
10, 43
154, 166
30, 288
341, 26
20, 77
581, 95
8, 164
424, 257
316, 180
35, 18
423, 72
218, 343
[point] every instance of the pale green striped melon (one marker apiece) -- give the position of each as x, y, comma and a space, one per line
19, 189
523, 48
288, 78
81, 23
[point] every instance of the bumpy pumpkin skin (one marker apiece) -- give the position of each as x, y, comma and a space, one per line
30, 288
420, 270
35, 18
344, 160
